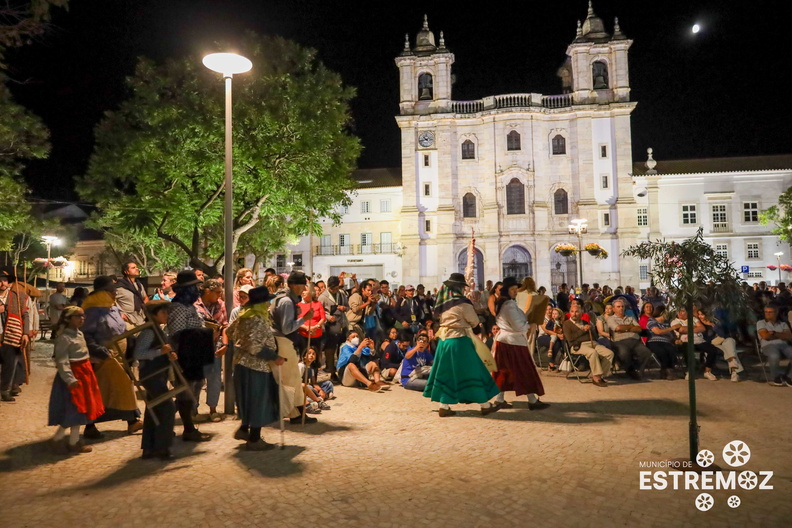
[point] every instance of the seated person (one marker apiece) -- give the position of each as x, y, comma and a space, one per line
309, 367
354, 366
717, 334
577, 332
633, 354
392, 357
416, 358
709, 350
491, 336
661, 341
550, 335
774, 338
603, 329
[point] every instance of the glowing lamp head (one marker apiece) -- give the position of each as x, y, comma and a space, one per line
227, 63
696, 28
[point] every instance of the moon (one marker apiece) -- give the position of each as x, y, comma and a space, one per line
696, 28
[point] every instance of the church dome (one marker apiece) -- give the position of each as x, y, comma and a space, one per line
593, 28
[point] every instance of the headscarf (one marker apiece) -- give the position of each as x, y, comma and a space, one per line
448, 297
256, 310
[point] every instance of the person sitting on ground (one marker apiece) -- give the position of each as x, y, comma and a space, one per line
709, 350
314, 403
717, 334
491, 335
354, 367
661, 341
414, 373
325, 389
633, 354
774, 338
579, 338
392, 358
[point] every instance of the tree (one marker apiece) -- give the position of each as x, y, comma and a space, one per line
781, 216
21, 21
694, 274
157, 168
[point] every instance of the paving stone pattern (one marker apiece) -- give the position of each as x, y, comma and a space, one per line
388, 460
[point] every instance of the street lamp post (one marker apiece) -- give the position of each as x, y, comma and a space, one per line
228, 64
49, 241
778, 256
579, 227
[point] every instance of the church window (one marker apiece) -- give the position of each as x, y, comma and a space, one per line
469, 206
513, 140
515, 197
560, 202
425, 87
559, 145
468, 150
599, 74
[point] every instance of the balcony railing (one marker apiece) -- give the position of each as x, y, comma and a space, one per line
511, 101
359, 249
720, 227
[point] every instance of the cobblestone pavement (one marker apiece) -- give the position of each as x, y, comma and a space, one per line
388, 460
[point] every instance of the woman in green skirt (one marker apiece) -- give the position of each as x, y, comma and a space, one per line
458, 374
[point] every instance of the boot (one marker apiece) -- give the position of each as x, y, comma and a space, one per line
6, 396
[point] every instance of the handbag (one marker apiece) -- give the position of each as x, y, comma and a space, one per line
370, 322
565, 366
12, 335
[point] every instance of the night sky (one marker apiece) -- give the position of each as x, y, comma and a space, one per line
722, 92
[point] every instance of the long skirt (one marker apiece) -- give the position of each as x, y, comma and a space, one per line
118, 392
157, 437
458, 375
257, 396
291, 382
72, 407
516, 370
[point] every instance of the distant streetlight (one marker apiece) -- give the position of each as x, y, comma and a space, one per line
49, 241
228, 64
778, 256
696, 28
579, 227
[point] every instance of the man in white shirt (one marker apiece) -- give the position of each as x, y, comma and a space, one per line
57, 303
633, 354
774, 336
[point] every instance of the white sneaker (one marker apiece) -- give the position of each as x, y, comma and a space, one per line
710, 376
734, 376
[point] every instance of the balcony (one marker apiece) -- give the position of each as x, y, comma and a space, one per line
721, 227
359, 249
511, 101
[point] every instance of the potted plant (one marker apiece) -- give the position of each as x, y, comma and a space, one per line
772, 267
786, 267
593, 249
565, 250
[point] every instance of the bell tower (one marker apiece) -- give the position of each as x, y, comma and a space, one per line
424, 74
596, 70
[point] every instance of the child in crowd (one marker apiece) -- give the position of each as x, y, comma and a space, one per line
75, 399
316, 393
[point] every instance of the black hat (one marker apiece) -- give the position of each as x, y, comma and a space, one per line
259, 295
4, 275
186, 278
297, 277
456, 280
104, 283
508, 282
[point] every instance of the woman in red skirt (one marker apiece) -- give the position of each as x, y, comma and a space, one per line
75, 399
516, 370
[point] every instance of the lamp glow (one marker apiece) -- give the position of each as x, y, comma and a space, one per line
696, 28
227, 63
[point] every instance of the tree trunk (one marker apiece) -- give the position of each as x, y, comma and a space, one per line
692, 368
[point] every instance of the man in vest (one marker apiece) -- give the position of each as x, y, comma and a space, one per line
14, 332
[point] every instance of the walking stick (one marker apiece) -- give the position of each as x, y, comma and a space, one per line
304, 376
280, 414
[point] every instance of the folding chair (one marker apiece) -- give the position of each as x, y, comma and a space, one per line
759, 354
574, 360
176, 377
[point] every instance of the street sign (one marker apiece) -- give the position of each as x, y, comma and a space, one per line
744, 269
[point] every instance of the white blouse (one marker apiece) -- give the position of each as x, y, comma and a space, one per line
513, 325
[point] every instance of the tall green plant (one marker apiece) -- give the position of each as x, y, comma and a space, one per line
693, 274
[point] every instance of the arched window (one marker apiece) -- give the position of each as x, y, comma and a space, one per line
560, 202
515, 197
599, 75
425, 87
517, 263
513, 140
559, 145
469, 206
468, 149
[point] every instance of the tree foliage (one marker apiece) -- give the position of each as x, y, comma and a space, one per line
23, 20
693, 274
781, 216
158, 165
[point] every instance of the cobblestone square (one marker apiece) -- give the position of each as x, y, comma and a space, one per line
388, 460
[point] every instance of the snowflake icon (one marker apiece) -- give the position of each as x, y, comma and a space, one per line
705, 458
704, 502
734, 501
736, 453
747, 480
